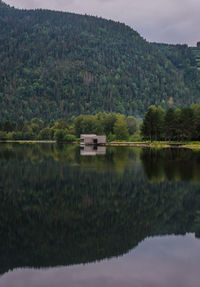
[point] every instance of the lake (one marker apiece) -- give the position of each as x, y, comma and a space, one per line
101, 217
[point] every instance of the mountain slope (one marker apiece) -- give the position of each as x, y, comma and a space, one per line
187, 61
55, 64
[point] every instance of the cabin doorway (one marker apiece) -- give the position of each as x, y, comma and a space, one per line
95, 142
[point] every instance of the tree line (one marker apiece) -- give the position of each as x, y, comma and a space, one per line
172, 124
158, 125
114, 126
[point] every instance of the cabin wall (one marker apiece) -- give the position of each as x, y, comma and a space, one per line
93, 139
101, 139
88, 140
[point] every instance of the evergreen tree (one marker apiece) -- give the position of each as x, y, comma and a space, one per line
196, 111
187, 128
170, 125
152, 127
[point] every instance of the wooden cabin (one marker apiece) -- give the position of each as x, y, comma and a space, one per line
92, 139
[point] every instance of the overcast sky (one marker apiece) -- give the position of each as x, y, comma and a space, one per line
169, 21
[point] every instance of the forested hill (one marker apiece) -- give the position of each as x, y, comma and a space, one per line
187, 61
56, 64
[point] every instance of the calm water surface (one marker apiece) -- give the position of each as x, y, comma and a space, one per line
125, 217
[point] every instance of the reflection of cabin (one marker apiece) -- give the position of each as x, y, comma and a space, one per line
91, 150
92, 140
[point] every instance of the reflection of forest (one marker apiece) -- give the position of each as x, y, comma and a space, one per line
171, 164
58, 208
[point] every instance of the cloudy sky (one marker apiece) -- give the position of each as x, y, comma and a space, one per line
169, 21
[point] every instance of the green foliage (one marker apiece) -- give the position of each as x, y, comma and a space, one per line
85, 124
136, 137
58, 65
120, 128
132, 125
17, 136
62, 135
3, 135
108, 122
111, 137
196, 130
186, 122
69, 138
59, 135
46, 134
180, 124
61, 125
170, 124
101, 123
152, 127
114, 126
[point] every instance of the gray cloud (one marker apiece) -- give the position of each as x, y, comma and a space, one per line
169, 21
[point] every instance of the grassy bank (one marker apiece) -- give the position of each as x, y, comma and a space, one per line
27, 141
158, 144
190, 145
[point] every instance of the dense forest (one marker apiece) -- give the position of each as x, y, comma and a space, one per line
57, 65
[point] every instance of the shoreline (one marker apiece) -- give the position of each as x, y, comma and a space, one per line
158, 145
27, 141
127, 144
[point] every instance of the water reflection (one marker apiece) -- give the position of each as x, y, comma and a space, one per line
159, 262
88, 150
171, 164
59, 208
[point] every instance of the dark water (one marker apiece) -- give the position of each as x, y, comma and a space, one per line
130, 217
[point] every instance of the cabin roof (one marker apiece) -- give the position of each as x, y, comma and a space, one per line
88, 136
